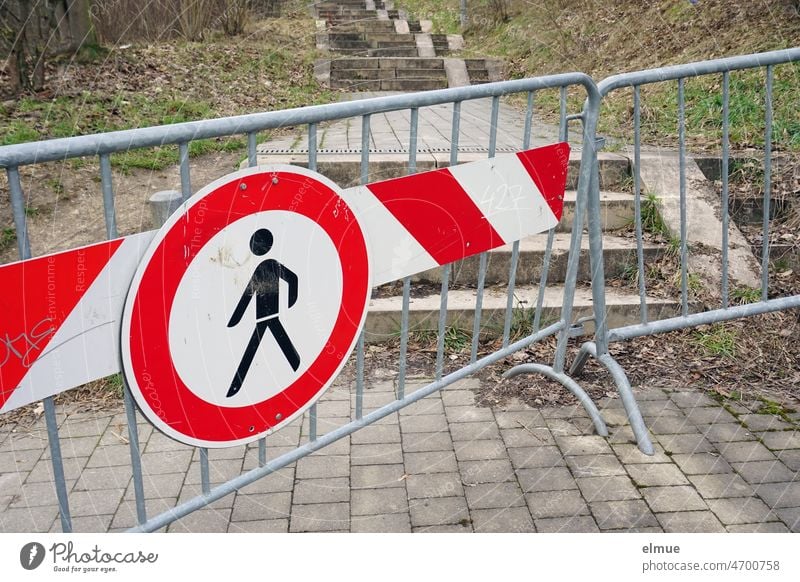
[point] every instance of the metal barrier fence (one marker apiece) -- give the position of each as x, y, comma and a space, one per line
725, 312
103, 145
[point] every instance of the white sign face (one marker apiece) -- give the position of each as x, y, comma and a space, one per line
207, 351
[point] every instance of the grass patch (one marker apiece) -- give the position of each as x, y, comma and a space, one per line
8, 238
744, 295
773, 408
717, 340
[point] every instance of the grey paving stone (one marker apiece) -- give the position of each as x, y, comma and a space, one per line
770, 527
190, 491
491, 471
659, 409
458, 397
471, 431
527, 437
709, 415
576, 524
12, 462
607, 488
202, 521
104, 478
385, 523
622, 435
790, 458
28, 520
612, 515
726, 432
440, 511
219, 454
328, 408
430, 462
465, 527
260, 506
27, 441
676, 498
218, 471
125, 516
377, 476
86, 524
737, 510
670, 425
323, 467
546, 479
691, 399
690, 522
423, 423
791, 517
280, 480
583, 445
320, 517
159, 442
781, 440
99, 502
108, 456
494, 496
377, 434
661, 474
456, 414
419, 442
595, 465
519, 418
780, 495
745, 451
386, 454
43, 470
328, 490
556, 504
567, 412
702, 464
260, 526
480, 450
764, 471
378, 501
561, 427
630, 454
158, 486
721, 485
425, 406
434, 485
166, 461
508, 520
533, 457
764, 422
35, 494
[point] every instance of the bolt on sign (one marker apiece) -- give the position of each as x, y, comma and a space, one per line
234, 317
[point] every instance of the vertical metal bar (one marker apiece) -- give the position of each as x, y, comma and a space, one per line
493, 126
312, 423
364, 149
512, 279
252, 157
726, 146
130, 409
186, 181
412, 141
401, 379
312, 147
562, 117
360, 377
205, 482
24, 250
108, 196
476, 322
464, 18
442, 322
682, 154
455, 130
18, 210
526, 136
767, 185
58, 464
548, 250
262, 452
637, 200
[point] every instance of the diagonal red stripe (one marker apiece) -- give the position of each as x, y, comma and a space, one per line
548, 167
438, 213
38, 296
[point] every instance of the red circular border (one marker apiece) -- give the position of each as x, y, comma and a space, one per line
157, 379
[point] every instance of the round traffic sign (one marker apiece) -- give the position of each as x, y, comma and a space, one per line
245, 306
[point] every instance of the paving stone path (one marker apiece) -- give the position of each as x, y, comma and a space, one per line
441, 465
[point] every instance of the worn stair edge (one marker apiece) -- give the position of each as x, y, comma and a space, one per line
384, 315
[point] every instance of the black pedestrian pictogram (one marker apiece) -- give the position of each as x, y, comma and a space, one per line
265, 286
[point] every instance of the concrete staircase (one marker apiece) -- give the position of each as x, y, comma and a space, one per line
374, 47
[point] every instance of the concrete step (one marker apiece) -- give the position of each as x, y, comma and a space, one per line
409, 52
383, 318
345, 74
392, 84
339, 45
616, 211
421, 74
387, 63
619, 253
361, 27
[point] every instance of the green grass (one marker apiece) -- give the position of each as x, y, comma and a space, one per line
717, 341
8, 238
775, 409
456, 340
743, 295
652, 221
